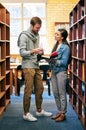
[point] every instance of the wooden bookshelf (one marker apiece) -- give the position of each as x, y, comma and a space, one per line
4, 58
78, 65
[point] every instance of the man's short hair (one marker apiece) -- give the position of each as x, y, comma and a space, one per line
35, 20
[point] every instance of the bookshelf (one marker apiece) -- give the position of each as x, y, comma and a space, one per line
78, 65
4, 58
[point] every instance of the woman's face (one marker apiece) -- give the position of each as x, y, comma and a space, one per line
58, 37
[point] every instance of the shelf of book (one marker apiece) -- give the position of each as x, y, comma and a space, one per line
78, 65
4, 58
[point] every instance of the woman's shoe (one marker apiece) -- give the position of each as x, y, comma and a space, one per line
56, 116
60, 118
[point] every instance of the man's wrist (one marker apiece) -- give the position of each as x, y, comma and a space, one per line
31, 52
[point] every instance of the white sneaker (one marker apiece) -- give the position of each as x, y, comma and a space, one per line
29, 117
43, 113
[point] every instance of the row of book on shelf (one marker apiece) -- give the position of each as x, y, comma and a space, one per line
72, 18
82, 107
78, 34
78, 86
79, 49
78, 67
81, 73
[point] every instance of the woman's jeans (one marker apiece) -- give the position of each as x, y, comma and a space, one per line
59, 90
32, 79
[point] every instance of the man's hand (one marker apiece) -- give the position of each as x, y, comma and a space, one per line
37, 51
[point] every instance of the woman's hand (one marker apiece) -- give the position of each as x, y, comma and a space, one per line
54, 54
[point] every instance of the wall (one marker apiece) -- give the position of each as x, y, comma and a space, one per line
57, 11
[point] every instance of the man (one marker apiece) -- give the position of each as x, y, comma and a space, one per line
28, 42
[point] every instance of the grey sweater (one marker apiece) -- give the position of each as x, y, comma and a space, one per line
26, 42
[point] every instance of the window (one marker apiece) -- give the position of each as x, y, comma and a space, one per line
20, 14
34, 9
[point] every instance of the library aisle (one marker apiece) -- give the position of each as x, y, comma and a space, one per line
12, 118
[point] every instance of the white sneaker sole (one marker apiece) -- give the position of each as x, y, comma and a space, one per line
29, 119
37, 114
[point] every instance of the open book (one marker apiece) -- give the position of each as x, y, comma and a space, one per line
39, 57
53, 55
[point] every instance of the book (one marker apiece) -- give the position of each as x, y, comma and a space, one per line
83, 71
82, 11
0, 52
83, 30
0, 33
53, 55
0, 70
39, 57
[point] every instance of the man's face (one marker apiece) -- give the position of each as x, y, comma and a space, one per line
36, 28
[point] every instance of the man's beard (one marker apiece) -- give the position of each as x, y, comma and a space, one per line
34, 32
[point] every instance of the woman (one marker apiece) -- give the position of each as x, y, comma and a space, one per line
59, 64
